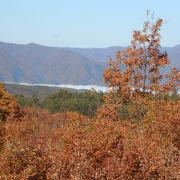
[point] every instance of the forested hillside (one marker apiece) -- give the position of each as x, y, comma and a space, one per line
39, 91
37, 64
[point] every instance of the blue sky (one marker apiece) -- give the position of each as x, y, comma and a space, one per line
84, 23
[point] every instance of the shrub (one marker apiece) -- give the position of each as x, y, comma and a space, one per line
8, 105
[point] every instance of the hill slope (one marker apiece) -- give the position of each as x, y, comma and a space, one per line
102, 54
34, 63
39, 64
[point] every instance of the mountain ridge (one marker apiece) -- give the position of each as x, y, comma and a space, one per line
34, 63
41, 64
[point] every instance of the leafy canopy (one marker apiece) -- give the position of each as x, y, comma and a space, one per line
135, 76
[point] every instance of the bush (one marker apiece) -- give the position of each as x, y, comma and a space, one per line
72, 146
85, 103
8, 105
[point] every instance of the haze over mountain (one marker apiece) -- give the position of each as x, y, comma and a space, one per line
33, 63
102, 54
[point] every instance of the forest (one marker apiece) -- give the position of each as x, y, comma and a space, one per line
130, 132
86, 103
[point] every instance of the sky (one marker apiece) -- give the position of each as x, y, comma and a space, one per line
84, 23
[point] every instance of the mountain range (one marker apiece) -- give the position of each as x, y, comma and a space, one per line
38, 64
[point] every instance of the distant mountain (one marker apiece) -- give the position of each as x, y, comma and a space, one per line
102, 54
33, 63
174, 55
98, 54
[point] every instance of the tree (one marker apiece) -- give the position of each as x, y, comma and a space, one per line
8, 105
136, 74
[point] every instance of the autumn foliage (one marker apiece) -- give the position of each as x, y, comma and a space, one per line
136, 134
8, 105
72, 146
135, 77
